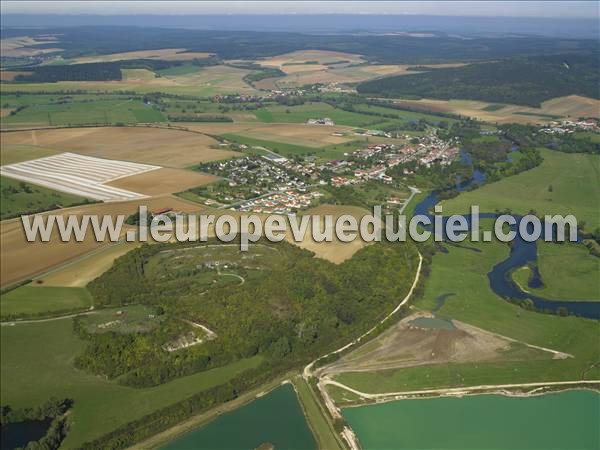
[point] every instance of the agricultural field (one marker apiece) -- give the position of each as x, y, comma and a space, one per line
17, 264
307, 67
29, 375
98, 112
80, 272
26, 46
559, 265
163, 181
550, 188
301, 113
165, 54
122, 320
18, 197
85, 176
159, 146
286, 133
16, 153
573, 106
336, 251
202, 82
40, 300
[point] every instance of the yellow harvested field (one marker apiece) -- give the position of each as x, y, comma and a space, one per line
349, 72
571, 106
293, 133
17, 263
89, 267
163, 181
149, 145
15, 153
335, 251
9, 75
25, 46
303, 56
168, 54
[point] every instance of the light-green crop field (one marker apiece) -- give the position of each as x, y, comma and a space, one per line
473, 302
563, 184
32, 300
568, 271
301, 113
86, 113
37, 363
18, 197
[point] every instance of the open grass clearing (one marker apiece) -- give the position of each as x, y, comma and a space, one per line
160, 146
20, 197
37, 363
563, 184
568, 271
34, 299
301, 113
98, 112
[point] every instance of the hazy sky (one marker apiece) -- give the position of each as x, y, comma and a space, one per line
571, 9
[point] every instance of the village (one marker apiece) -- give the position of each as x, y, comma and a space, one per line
275, 184
569, 126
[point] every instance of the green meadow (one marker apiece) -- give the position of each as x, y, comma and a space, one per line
18, 197
86, 113
473, 302
301, 113
563, 184
33, 300
568, 271
37, 363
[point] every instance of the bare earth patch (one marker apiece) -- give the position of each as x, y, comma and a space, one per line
408, 344
163, 181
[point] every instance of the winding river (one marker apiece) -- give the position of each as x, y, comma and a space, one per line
521, 253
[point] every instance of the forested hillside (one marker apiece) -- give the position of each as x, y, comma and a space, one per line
521, 81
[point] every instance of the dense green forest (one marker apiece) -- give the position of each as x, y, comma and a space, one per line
521, 81
246, 44
74, 72
290, 308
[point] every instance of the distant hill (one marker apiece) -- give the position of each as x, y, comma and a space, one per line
521, 81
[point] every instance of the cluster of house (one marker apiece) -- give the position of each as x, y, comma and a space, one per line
569, 126
287, 202
321, 121
267, 96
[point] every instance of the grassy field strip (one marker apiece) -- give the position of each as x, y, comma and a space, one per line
498, 388
317, 418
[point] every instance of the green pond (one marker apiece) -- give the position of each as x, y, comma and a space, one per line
566, 420
275, 418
